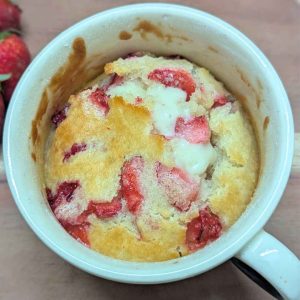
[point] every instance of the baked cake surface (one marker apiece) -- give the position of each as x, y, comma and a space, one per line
153, 162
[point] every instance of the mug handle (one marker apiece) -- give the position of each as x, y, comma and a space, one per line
271, 265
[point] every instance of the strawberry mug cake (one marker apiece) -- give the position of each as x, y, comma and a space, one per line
154, 161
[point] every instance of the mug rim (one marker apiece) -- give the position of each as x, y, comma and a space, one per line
228, 252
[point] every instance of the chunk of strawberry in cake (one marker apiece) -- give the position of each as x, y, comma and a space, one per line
105, 209
203, 229
181, 190
130, 182
196, 130
177, 78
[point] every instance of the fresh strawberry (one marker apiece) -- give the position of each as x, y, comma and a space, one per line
130, 182
79, 232
106, 209
2, 113
64, 193
175, 78
14, 58
74, 149
180, 189
203, 229
220, 101
195, 130
9, 15
60, 115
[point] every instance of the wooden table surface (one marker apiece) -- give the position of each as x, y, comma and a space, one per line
29, 270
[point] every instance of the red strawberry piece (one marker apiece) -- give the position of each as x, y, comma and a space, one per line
101, 210
9, 15
81, 218
130, 183
116, 80
138, 100
50, 197
14, 58
74, 149
2, 113
220, 101
79, 232
203, 229
195, 130
175, 78
105, 209
180, 189
60, 115
66, 189
64, 192
99, 98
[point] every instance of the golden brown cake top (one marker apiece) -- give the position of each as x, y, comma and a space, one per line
152, 162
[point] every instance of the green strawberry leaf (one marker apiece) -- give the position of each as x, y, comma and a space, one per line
4, 35
4, 77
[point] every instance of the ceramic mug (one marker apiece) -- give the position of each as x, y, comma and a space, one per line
208, 41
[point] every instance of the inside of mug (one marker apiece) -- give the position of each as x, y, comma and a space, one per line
79, 54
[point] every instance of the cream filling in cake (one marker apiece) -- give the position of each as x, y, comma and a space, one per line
194, 158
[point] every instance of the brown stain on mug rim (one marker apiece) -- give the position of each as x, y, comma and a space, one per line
169, 38
213, 49
145, 27
33, 156
38, 118
243, 77
266, 122
247, 82
72, 68
125, 35
260, 86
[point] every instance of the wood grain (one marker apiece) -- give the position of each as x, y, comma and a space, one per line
296, 161
29, 270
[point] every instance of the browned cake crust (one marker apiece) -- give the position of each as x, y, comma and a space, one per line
127, 129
